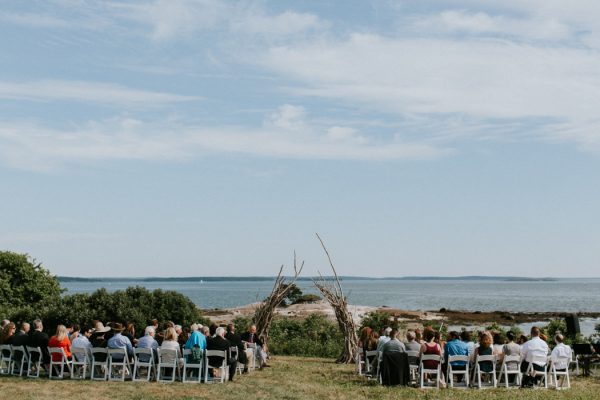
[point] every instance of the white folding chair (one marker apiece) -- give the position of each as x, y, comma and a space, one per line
511, 365
82, 359
190, 367
222, 367
359, 362
6, 359
234, 354
491, 375
35, 358
563, 375
99, 370
118, 364
574, 360
20, 360
144, 359
535, 373
430, 371
413, 364
452, 371
168, 360
370, 364
58, 365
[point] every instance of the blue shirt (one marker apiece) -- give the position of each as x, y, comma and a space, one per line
456, 347
118, 342
196, 339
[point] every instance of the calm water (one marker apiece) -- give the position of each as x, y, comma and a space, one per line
569, 295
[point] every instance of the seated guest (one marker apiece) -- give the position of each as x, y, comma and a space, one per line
384, 338
252, 338
4, 323
412, 344
148, 342
61, 340
456, 347
465, 337
499, 345
83, 338
522, 340
393, 345
431, 347
7, 333
236, 340
196, 338
119, 341
39, 338
130, 333
21, 338
170, 343
535, 347
511, 349
485, 348
75, 331
213, 329
220, 343
99, 336
560, 352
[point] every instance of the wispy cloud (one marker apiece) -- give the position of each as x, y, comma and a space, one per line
95, 92
33, 20
31, 146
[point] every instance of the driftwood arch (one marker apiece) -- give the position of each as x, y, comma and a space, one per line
332, 291
264, 313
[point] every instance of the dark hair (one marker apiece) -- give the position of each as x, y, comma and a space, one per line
498, 338
465, 336
230, 327
535, 331
510, 335
213, 329
429, 334
453, 335
86, 328
393, 333
76, 328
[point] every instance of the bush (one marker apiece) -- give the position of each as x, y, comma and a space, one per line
376, 320
315, 336
307, 298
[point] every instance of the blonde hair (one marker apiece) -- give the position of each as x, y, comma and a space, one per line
486, 339
61, 332
170, 334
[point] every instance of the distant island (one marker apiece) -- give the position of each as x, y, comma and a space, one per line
270, 278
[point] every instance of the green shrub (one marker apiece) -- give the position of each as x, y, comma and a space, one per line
314, 336
376, 320
307, 298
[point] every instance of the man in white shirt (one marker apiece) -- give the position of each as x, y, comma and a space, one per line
561, 355
532, 349
384, 338
83, 340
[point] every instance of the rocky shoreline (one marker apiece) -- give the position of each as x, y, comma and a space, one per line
410, 317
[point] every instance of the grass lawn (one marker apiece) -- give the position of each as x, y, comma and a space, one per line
289, 378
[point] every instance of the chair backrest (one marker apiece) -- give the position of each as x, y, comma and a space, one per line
80, 354
187, 353
233, 351
413, 357
216, 353
486, 358
34, 350
167, 356
143, 350
431, 357
540, 360
511, 359
6, 351
57, 350
18, 351
99, 351
458, 358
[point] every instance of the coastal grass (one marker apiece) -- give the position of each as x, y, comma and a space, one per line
288, 378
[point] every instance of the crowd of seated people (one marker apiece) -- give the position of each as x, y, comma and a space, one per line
531, 350
197, 338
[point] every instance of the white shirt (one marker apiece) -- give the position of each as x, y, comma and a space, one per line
535, 347
81, 341
382, 340
561, 351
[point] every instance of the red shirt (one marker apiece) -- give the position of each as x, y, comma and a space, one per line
65, 344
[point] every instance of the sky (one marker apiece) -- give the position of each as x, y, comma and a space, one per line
215, 138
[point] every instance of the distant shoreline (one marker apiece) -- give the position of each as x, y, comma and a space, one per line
310, 279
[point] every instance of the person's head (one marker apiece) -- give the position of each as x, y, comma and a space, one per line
154, 323
365, 333
535, 331
418, 335
387, 331
150, 331
393, 334
205, 331
118, 328
231, 328
410, 336
429, 335
213, 329
522, 339
559, 338
61, 332
69, 326
498, 338
170, 334
170, 324
438, 336
485, 340
453, 335
252, 329
86, 331
130, 329
510, 336
25, 327
5, 322
76, 329
194, 327
37, 325
465, 336
8, 330
374, 335
178, 329
220, 331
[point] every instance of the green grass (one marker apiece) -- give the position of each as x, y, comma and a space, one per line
289, 378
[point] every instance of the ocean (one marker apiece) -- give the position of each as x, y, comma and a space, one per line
561, 295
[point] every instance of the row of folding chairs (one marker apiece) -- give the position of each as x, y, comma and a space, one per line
472, 374
113, 364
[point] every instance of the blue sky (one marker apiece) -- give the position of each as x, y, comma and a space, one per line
187, 138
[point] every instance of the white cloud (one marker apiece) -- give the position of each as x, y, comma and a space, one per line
31, 146
95, 92
33, 20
